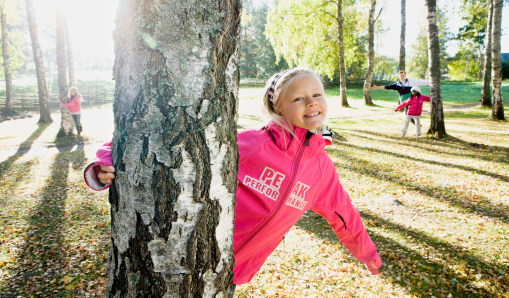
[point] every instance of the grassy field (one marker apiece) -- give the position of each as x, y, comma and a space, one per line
437, 210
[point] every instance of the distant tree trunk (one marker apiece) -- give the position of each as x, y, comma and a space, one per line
174, 148
63, 88
497, 110
70, 59
371, 55
402, 36
342, 75
466, 68
9, 106
486, 82
437, 127
45, 116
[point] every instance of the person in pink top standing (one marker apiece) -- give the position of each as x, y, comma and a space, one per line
414, 104
284, 171
75, 108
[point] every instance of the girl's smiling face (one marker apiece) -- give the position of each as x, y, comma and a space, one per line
303, 103
73, 92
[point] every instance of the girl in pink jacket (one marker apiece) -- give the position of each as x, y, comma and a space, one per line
283, 172
414, 111
74, 108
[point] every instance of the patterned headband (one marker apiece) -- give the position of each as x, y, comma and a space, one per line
273, 85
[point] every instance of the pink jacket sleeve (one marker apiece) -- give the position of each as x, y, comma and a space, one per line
103, 158
404, 104
73, 102
425, 98
333, 203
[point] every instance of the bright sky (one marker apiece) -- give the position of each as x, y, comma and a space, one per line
92, 23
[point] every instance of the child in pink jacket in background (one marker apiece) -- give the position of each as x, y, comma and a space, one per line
414, 111
74, 108
283, 172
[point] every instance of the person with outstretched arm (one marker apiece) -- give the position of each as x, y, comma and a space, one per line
404, 87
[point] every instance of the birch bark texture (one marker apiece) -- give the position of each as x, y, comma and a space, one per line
63, 88
402, 36
342, 74
371, 55
175, 148
497, 110
486, 79
437, 126
9, 106
44, 111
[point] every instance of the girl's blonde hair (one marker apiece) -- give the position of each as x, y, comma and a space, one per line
285, 81
78, 95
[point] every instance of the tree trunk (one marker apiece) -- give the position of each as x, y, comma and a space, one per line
466, 68
63, 88
174, 148
402, 36
9, 106
371, 53
486, 80
342, 75
70, 59
497, 110
437, 127
45, 116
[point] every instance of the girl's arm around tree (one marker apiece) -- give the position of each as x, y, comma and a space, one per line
333, 203
425, 98
73, 102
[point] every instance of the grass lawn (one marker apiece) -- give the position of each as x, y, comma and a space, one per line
437, 210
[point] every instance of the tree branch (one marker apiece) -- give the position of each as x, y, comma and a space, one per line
378, 15
330, 2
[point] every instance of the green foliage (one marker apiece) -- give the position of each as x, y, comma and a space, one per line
16, 54
305, 32
458, 65
384, 66
473, 34
257, 54
418, 62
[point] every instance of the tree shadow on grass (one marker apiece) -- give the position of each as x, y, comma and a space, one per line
39, 267
426, 161
501, 153
454, 196
23, 148
413, 266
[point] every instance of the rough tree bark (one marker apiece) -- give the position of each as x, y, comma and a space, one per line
342, 74
371, 55
486, 80
402, 36
9, 106
497, 110
45, 115
174, 148
437, 126
63, 88
70, 58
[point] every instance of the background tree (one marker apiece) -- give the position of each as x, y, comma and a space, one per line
11, 48
418, 62
305, 33
437, 126
63, 88
342, 70
371, 53
402, 36
497, 111
174, 148
70, 57
486, 81
45, 115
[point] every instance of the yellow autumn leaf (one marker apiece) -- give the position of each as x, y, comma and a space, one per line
70, 287
67, 279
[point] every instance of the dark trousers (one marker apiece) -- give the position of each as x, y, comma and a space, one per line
77, 120
233, 289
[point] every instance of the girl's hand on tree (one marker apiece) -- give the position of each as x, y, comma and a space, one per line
106, 175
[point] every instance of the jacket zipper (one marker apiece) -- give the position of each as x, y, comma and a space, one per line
341, 218
287, 190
